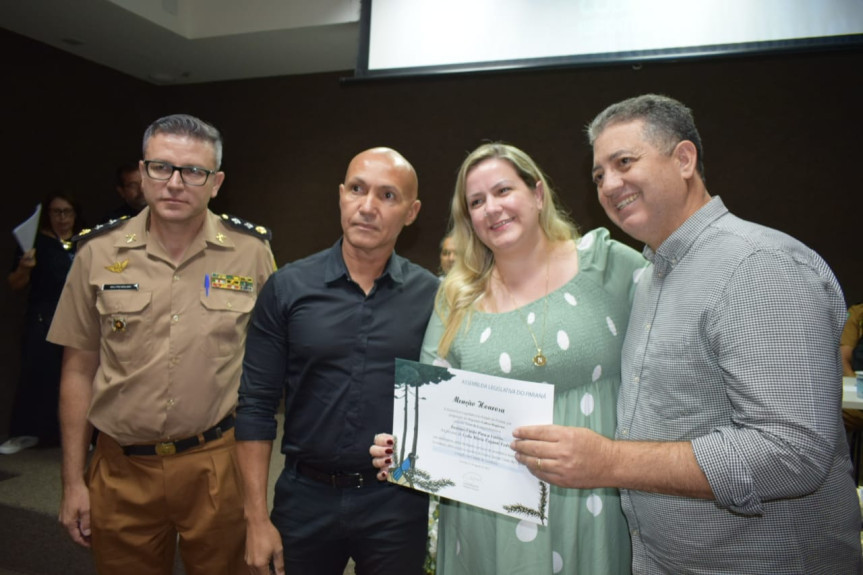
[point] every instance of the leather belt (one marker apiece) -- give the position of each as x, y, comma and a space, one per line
173, 447
341, 479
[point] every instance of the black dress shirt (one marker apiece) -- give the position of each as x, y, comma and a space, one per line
317, 337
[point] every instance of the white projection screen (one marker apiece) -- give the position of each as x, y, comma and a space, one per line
418, 37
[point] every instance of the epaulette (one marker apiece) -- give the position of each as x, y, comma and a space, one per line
100, 229
247, 227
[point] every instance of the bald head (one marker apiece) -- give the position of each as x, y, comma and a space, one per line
377, 200
402, 171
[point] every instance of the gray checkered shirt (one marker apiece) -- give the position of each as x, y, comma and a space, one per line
733, 346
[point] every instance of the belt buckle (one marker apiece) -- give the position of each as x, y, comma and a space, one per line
358, 476
166, 448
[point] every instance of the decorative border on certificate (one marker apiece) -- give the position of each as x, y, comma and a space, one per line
453, 429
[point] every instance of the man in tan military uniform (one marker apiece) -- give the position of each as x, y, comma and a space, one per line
153, 319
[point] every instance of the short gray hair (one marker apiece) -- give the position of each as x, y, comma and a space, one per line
667, 122
186, 125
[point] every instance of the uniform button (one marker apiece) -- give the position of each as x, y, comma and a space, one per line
170, 403
176, 277
624, 431
228, 305
634, 532
636, 379
175, 318
647, 326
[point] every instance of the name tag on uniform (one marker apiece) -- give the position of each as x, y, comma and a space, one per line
112, 287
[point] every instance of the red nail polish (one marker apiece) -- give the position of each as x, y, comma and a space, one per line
389, 452
388, 461
389, 441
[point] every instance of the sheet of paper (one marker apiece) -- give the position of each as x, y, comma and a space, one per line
25, 232
453, 429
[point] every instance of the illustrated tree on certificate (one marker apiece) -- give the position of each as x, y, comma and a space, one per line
409, 378
530, 512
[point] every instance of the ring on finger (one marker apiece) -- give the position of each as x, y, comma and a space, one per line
539, 464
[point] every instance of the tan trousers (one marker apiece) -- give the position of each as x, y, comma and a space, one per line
139, 505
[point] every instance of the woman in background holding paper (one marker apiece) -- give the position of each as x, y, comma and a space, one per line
529, 299
43, 268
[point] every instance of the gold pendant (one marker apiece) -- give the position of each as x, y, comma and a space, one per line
539, 359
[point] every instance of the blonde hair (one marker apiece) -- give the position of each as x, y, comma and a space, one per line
468, 279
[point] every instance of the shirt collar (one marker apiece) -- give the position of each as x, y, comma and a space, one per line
213, 232
135, 232
675, 247
335, 267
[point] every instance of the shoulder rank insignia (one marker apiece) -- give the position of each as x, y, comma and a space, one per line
247, 227
88, 233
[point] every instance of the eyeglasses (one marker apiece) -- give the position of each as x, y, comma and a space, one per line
191, 175
61, 212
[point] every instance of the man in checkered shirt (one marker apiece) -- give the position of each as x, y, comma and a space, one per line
730, 452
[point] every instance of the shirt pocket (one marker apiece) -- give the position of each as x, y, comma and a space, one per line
126, 324
675, 378
224, 317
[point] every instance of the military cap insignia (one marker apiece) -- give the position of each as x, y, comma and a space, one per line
247, 227
117, 267
88, 233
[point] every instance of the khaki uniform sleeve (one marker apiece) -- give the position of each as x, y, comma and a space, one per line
265, 265
76, 322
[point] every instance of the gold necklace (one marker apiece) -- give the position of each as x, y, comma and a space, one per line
539, 360
67, 245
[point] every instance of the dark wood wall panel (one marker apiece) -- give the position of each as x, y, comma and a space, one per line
780, 134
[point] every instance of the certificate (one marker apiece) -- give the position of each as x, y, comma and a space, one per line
453, 429
25, 232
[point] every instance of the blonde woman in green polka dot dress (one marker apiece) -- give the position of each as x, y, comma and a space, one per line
529, 299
